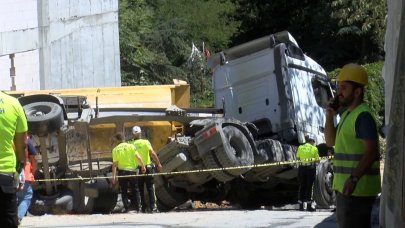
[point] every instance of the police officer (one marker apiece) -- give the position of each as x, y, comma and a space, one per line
307, 172
126, 158
356, 159
13, 134
146, 152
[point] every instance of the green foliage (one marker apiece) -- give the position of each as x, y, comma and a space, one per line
156, 37
200, 20
331, 32
203, 100
363, 21
135, 20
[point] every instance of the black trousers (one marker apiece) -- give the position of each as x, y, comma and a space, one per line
130, 182
306, 178
8, 202
150, 187
354, 211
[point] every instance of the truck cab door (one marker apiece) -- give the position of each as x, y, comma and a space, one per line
311, 92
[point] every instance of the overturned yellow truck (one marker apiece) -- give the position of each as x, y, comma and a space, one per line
268, 95
73, 129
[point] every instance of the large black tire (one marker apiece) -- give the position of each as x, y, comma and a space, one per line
43, 117
82, 203
236, 151
107, 197
60, 203
290, 154
210, 161
323, 193
167, 196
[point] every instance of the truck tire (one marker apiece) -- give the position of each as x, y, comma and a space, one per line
43, 117
235, 152
324, 195
107, 197
275, 151
82, 203
211, 162
60, 203
290, 154
167, 196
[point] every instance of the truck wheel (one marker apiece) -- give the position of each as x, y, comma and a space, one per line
324, 195
236, 151
60, 203
211, 162
167, 196
290, 154
43, 117
82, 203
107, 197
275, 153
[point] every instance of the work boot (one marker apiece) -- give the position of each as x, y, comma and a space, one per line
301, 206
310, 207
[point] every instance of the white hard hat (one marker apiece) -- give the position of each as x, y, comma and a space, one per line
136, 130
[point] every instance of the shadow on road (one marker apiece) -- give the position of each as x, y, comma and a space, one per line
328, 222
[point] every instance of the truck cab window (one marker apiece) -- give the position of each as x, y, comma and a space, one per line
295, 52
321, 92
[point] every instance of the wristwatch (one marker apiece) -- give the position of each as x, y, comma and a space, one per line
354, 179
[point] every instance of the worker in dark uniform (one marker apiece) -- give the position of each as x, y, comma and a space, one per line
307, 172
128, 162
147, 154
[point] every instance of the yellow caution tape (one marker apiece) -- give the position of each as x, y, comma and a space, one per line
193, 171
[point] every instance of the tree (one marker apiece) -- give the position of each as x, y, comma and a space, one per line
135, 21
156, 38
362, 21
331, 32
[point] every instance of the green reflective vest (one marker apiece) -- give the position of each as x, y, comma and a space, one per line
143, 146
124, 154
348, 152
307, 151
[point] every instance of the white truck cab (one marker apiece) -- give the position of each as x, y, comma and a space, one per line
273, 84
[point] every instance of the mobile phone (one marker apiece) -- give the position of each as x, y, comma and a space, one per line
335, 103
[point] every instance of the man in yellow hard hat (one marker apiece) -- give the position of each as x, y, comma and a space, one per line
356, 159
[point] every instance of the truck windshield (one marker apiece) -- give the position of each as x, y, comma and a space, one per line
321, 91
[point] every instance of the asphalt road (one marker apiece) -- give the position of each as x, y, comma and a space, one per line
195, 218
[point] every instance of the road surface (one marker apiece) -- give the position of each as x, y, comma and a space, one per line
196, 218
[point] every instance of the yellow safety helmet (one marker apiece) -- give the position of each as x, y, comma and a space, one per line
353, 72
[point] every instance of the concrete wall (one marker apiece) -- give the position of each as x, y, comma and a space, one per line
392, 208
60, 43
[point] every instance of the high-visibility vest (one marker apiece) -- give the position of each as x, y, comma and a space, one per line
307, 151
143, 146
348, 152
29, 176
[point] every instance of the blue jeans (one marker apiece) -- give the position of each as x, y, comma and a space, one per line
24, 200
